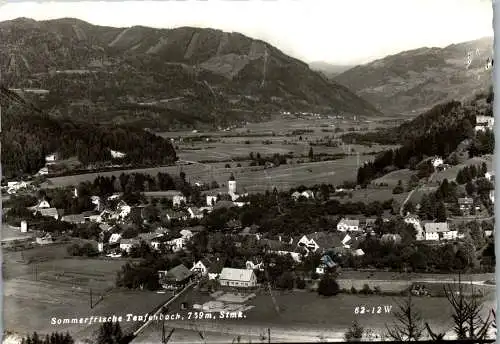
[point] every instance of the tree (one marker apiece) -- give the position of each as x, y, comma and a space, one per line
354, 333
110, 333
466, 312
54, 338
311, 154
408, 325
441, 212
328, 286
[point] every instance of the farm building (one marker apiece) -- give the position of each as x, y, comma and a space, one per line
439, 231
240, 278
345, 225
465, 204
175, 278
74, 218
127, 244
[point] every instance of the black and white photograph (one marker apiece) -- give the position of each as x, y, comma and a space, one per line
280, 171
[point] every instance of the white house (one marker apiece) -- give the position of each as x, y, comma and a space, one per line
49, 212
127, 244
492, 196
122, 210
198, 213
179, 199
211, 200
439, 231
177, 244
43, 171
43, 204
437, 161
13, 187
251, 266
415, 222
345, 225
240, 278
114, 238
117, 155
51, 157
489, 175
186, 234
307, 194
201, 267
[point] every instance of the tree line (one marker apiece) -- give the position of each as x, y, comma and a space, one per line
29, 137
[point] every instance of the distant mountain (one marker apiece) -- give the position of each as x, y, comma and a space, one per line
418, 79
162, 77
328, 69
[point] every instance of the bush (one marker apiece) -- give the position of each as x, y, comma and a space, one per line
314, 276
227, 166
377, 290
301, 284
354, 290
238, 165
328, 286
366, 290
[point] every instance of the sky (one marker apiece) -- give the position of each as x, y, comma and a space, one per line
343, 32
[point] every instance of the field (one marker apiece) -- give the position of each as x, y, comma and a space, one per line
392, 178
251, 179
57, 286
372, 195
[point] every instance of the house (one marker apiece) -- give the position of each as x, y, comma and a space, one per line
251, 266
122, 210
490, 175
115, 238
211, 200
179, 243
75, 218
326, 263
437, 161
178, 200
484, 122
415, 222
175, 278
239, 278
198, 213
465, 204
49, 212
186, 234
319, 242
117, 155
201, 267
13, 187
105, 227
44, 240
309, 244
345, 225
307, 194
232, 189
43, 171
51, 157
369, 224
127, 244
439, 231
148, 237
171, 214
358, 253
43, 204
395, 238
296, 195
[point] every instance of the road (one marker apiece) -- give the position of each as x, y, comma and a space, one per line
160, 309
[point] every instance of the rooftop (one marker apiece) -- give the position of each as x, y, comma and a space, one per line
242, 275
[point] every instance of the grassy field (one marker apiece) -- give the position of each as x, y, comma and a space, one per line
45, 282
392, 178
253, 179
372, 195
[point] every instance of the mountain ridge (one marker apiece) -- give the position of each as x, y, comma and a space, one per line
417, 79
220, 74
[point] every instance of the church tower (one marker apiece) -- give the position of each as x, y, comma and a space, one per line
231, 185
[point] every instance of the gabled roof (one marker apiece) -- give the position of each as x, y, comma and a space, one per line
52, 212
74, 218
433, 227
465, 200
349, 222
326, 240
242, 275
132, 241
179, 273
149, 236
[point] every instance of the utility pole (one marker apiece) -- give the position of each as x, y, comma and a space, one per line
269, 335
